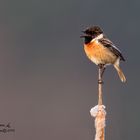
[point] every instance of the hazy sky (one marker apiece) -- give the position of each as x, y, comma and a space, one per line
47, 84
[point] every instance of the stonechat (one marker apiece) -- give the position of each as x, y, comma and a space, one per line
100, 50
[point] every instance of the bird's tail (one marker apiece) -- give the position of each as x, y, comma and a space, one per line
120, 73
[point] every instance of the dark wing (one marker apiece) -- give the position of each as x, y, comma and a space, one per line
107, 43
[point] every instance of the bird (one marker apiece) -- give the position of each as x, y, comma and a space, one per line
101, 51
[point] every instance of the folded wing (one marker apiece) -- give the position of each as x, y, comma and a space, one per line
107, 43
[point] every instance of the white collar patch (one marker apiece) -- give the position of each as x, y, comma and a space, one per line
97, 38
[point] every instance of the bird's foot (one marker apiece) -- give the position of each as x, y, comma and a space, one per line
102, 67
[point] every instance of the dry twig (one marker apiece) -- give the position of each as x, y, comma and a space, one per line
99, 111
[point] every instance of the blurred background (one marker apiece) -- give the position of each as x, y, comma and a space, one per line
47, 84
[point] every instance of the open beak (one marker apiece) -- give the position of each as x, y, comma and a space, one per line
85, 35
82, 36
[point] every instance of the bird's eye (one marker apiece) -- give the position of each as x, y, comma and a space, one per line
91, 32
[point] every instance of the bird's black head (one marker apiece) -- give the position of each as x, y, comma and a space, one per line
91, 33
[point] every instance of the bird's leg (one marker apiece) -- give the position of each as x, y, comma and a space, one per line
101, 72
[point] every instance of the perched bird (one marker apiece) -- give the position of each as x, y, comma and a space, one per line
100, 50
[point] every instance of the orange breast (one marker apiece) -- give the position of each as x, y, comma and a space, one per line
99, 54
